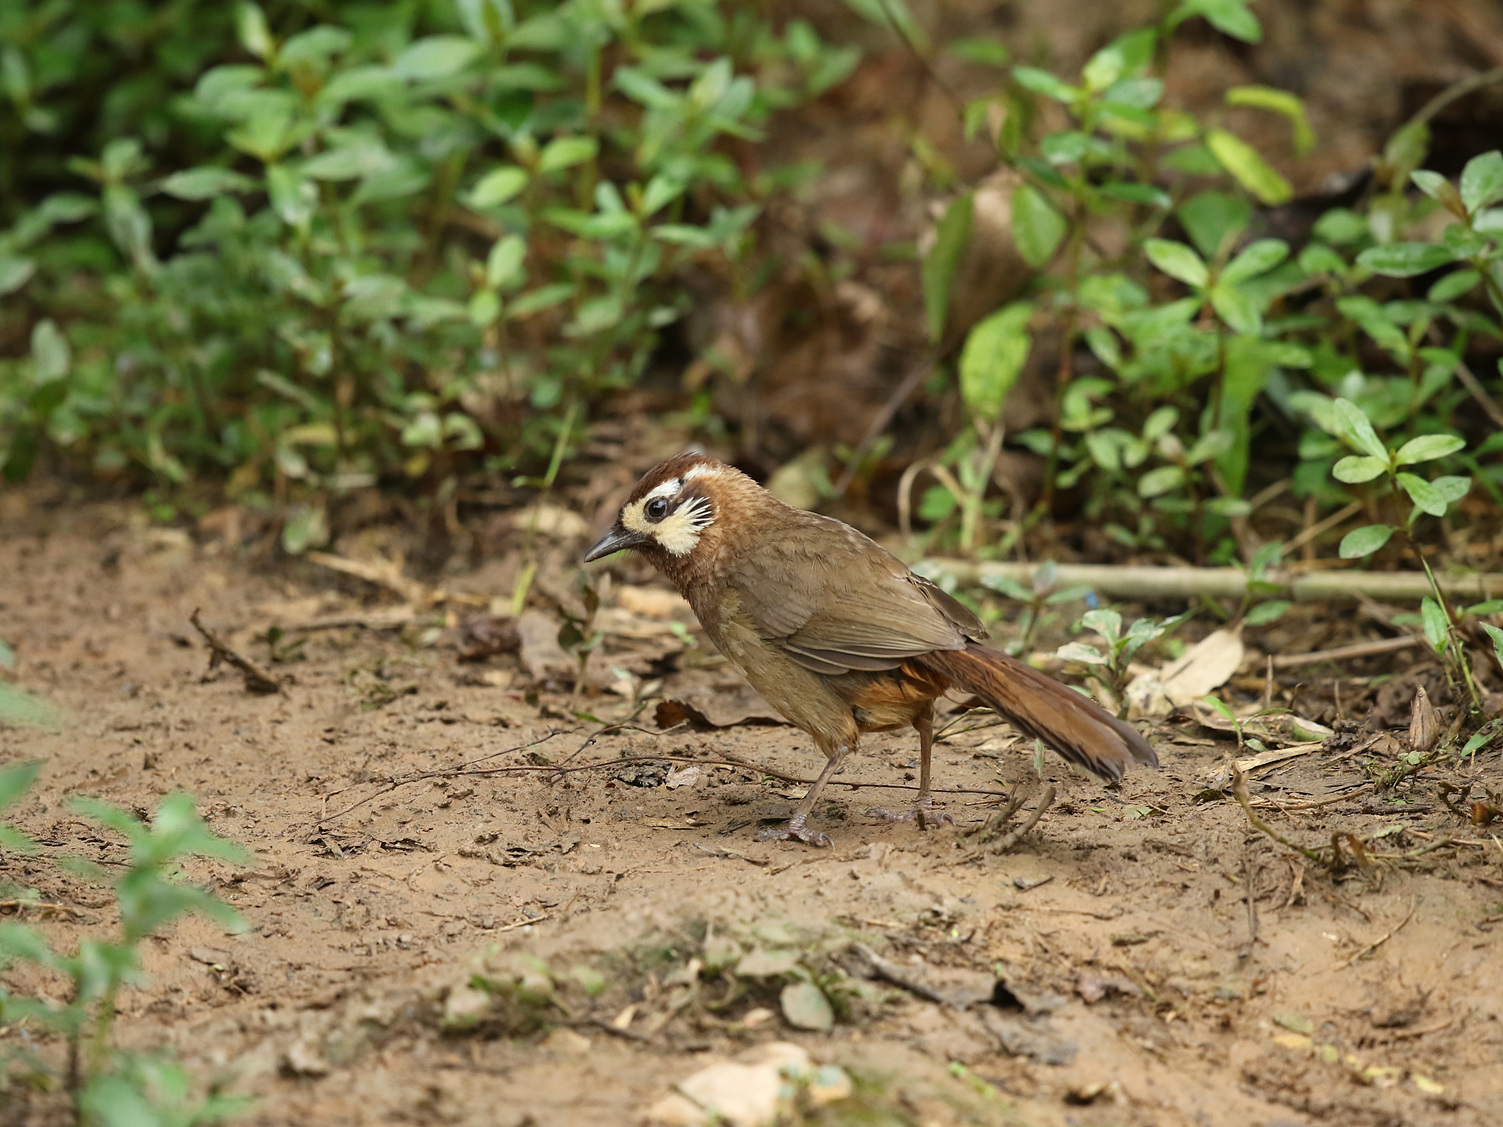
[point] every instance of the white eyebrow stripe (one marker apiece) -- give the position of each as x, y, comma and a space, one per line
704, 469
667, 489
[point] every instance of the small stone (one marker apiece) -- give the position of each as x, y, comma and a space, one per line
741, 1095
830, 1083
567, 1041
303, 1059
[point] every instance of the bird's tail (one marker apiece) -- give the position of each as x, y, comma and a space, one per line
1075, 726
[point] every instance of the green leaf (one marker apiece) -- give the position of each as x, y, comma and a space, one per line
1042, 82
1079, 651
497, 186
1256, 258
1156, 482
1435, 623
1353, 425
1279, 102
1249, 168
250, 27
951, 239
1106, 622
436, 57
50, 355
15, 272
1364, 541
17, 779
1428, 447
1497, 636
805, 1006
306, 527
1212, 219
1236, 308
1037, 227
994, 354
1230, 17
1264, 613
1404, 260
1177, 260
206, 183
564, 152
1357, 468
1482, 181
503, 268
1431, 497
1453, 285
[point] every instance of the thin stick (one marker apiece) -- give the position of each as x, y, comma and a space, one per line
1189, 583
1376, 943
257, 679
1343, 653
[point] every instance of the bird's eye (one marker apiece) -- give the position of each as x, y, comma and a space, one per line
657, 509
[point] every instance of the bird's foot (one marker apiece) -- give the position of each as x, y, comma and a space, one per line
924, 814
795, 829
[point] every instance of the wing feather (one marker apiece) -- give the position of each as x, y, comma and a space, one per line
850, 604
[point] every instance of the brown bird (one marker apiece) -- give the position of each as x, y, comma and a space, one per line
835, 632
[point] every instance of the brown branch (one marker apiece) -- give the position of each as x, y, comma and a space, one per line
257, 679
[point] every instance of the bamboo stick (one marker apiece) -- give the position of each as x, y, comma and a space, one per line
1185, 583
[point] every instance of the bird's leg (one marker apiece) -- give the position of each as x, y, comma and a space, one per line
795, 828
924, 813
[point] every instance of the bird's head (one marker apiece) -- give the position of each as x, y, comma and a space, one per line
670, 508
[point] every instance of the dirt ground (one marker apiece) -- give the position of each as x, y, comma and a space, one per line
1139, 958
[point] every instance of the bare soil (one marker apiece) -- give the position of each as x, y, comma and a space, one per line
1139, 958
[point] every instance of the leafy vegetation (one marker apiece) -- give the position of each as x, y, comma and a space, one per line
1188, 341
315, 253
109, 1086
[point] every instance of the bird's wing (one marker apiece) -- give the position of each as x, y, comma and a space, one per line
835, 600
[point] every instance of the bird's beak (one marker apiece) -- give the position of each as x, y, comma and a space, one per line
614, 541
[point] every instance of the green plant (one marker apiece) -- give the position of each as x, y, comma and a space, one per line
390, 242
109, 1086
1110, 661
1176, 354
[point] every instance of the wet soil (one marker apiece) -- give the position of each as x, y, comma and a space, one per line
1160, 961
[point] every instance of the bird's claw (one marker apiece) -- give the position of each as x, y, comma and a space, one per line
795, 829
924, 814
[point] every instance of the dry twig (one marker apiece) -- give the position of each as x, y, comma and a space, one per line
257, 678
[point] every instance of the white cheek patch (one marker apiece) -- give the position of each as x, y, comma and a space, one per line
679, 531
634, 519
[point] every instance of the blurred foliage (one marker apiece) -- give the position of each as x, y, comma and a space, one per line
1202, 358
342, 242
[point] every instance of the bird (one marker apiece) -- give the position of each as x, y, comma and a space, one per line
837, 633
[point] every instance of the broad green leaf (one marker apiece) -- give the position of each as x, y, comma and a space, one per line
1037, 227
951, 239
1079, 651
1231, 17
1236, 308
1249, 168
564, 152
1264, 613
503, 268
994, 354
1279, 102
436, 57
1157, 482
1357, 468
1213, 219
206, 183
1404, 260
1257, 258
1482, 181
1435, 623
1353, 425
50, 355
15, 272
1105, 621
1177, 260
484, 308
250, 26
1430, 497
1042, 82
16, 780
1364, 541
642, 88
1428, 447
1453, 285
1438, 188
497, 186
